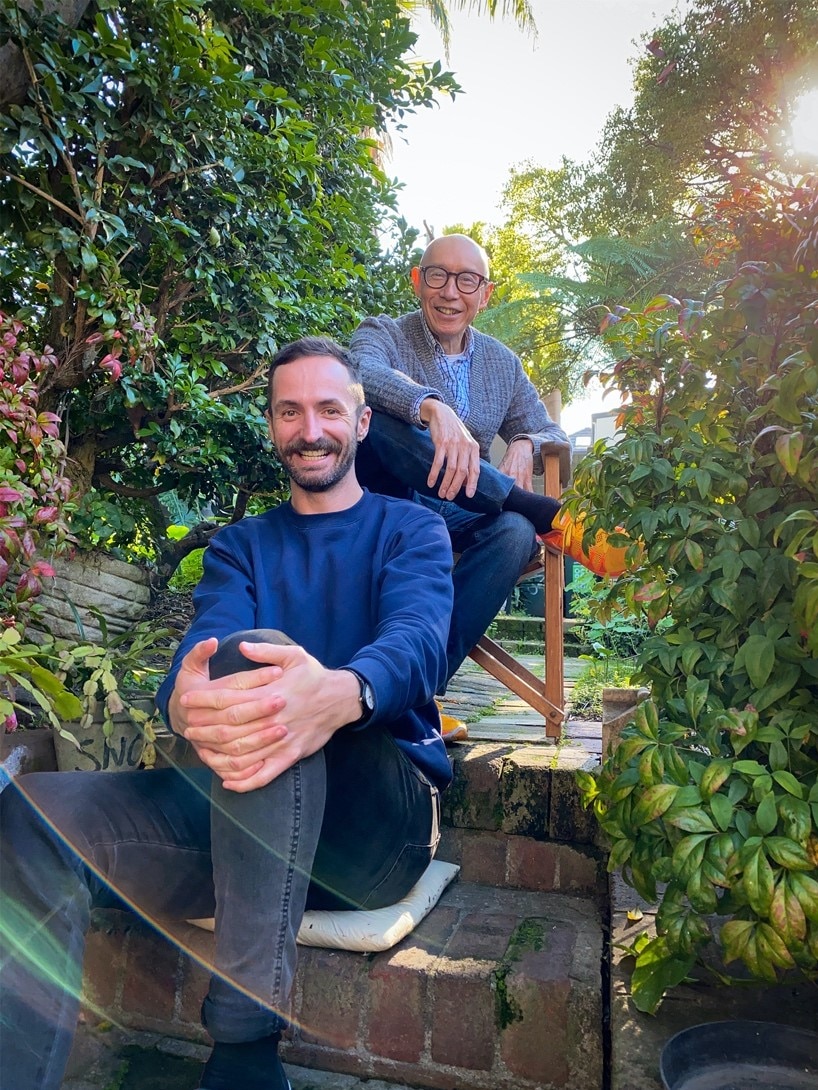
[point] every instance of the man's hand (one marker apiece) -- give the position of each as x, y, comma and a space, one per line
518, 462
457, 452
251, 726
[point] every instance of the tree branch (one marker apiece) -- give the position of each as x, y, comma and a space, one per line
45, 196
216, 394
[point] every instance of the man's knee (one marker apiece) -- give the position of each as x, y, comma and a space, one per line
228, 659
516, 534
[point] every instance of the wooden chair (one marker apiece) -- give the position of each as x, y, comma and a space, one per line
545, 696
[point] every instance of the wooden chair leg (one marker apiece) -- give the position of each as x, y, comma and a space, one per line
554, 575
548, 696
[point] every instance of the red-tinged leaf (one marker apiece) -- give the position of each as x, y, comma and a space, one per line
771, 944
786, 914
9, 495
789, 448
806, 890
734, 938
43, 569
759, 882
45, 514
661, 302
4, 571
695, 554
650, 592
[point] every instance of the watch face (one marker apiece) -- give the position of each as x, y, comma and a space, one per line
367, 696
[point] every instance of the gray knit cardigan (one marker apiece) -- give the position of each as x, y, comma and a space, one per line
397, 359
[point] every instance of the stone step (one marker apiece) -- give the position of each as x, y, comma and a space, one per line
521, 789
496, 988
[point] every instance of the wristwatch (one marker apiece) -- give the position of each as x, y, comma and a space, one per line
366, 697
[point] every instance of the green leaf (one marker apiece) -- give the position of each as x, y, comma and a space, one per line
654, 802
735, 934
656, 970
757, 656
715, 775
796, 818
620, 854
767, 814
696, 696
789, 783
749, 768
787, 854
722, 810
759, 882
786, 677
688, 855
806, 890
690, 819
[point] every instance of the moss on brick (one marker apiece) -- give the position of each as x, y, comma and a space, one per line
529, 934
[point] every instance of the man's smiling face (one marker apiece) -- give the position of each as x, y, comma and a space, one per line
315, 421
449, 312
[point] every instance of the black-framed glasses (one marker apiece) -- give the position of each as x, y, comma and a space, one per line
466, 282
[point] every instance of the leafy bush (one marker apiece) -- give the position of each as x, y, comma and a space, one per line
33, 486
711, 799
187, 185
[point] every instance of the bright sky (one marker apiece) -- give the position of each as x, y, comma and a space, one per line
523, 100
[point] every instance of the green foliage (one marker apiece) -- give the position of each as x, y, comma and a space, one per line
604, 624
715, 89
188, 185
25, 669
189, 572
711, 799
107, 676
604, 670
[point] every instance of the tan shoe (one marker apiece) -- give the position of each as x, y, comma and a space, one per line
452, 729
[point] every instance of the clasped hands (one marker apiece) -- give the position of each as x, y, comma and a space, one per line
251, 726
456, 462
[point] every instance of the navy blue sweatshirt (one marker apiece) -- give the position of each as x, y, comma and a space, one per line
369, 588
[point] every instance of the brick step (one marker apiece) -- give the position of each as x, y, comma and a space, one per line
521, 789
496, 988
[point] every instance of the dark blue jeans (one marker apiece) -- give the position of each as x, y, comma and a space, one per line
355, 824
495, 546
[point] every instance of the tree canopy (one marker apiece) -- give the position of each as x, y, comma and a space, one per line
186, 185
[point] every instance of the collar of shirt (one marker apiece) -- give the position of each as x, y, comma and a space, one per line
437, 348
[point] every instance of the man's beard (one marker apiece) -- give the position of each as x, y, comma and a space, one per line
311, 481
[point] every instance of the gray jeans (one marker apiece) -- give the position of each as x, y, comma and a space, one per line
356, 824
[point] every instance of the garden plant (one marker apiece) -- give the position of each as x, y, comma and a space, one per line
33, 528
184, 186
710, 801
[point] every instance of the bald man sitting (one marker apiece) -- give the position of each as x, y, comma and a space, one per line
441, 392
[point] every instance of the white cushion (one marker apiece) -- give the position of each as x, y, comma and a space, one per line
367, 930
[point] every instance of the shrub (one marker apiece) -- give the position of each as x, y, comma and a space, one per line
711, 799
33, 487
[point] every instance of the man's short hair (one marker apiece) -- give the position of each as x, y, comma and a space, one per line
316, 346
